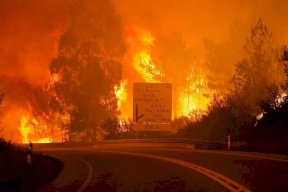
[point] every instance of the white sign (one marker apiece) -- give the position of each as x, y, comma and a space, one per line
152, 104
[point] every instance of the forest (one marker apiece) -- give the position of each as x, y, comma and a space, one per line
218, 90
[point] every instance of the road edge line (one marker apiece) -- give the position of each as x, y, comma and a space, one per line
89, 177
221, 179
237, 153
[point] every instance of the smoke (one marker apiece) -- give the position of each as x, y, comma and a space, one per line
30, 32
225, 24
274, 15
15, 105
29, 36
194, 19
210, 19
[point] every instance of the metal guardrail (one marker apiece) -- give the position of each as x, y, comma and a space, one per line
197, 144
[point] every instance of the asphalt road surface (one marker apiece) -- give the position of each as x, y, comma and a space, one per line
166, 169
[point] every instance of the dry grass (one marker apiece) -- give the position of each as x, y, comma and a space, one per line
14, 169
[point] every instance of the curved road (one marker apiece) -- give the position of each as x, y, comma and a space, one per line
160, 169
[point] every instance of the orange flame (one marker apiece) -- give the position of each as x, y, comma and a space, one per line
140, 45
37, 131
190, 99
27, 130
121, 93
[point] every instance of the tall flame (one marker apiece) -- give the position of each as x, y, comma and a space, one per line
190, 99
121, 93
24, 129
140, 45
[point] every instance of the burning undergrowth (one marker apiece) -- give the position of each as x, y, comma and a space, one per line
26, 115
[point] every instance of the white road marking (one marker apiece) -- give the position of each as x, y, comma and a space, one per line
89, 177
221, 179
260, 156
281, 158
224, 181
235, 153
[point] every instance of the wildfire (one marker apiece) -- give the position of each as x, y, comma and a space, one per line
27, 131
43, 131
140, 43
43, 140
54, 78
280, 99
24, 129
121, 93
187, 104
189, 98
144, 64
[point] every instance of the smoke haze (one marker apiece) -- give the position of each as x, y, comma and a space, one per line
30, 32
29, 35
204, 19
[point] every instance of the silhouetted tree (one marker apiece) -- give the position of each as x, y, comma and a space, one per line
111, 128
285, 60
88, 67
271, 131
220, 58
258, 74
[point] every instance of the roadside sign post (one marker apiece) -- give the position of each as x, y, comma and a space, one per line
152, 106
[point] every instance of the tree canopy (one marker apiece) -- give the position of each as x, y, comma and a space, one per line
261, 73
87, 66
177, 64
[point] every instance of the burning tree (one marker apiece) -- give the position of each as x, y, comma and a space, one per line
44, 124
88, 67
178, 64
168, 59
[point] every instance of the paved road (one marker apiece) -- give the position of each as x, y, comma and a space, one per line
257, 172
159, 169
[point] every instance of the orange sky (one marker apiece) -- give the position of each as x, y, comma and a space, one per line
29, 37
194, 19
